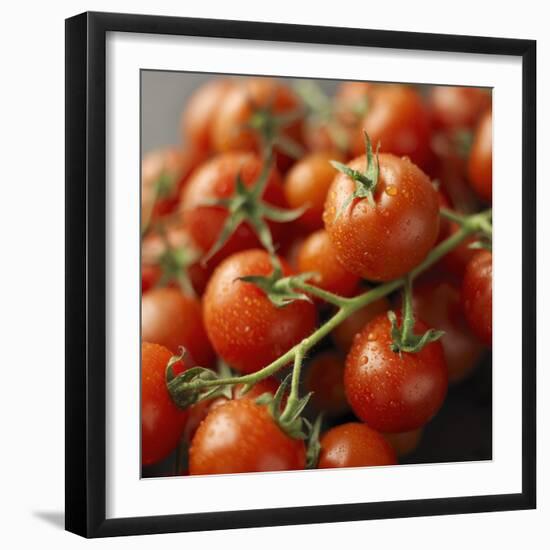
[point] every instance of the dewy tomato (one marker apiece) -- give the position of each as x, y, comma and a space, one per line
245, 328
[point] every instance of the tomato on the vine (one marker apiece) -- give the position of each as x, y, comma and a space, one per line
384, 240
480, 162
477, 296
173, 319
354, 445
216, 179
307, 184
316, 254
394, 391
162, 422
241, 436
246, 329
404, 443
397, 119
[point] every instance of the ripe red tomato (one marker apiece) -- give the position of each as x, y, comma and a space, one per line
241, 436
173, 319
242, 103
480, 163
216, 180
394, 392
397, 119
386, 241
307, 184
458, 107
404, 443
352, 100
150, 274
316, 254
325, 378
162, 422
200, 111
354, 445
438, 303
245, 328
344, 334
477, 296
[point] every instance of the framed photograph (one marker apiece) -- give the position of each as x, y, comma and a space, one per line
280, 247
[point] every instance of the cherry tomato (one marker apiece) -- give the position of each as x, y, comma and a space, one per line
480, 162
344, 334
199, 114
386, 241
352, 101
397, 119
477, 296
150, 274
307, 184
325, 378
173, 319
216, 180
243, 104
317, 255
245, 328
439, 304
162, 422
404, 443
394, 392
458, 107
354, 445
241, 436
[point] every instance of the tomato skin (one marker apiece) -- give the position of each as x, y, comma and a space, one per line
240, 436
439, 303
350, 98
404, 443
162, 422
229, 129
480, 162
477, 296
458, 107
173, 319
344, 334
394, 392
307, 183
354, 445
150, 274
215, 179
325, 378
245, 328
316, 254
387, 241
397, 119
198, 117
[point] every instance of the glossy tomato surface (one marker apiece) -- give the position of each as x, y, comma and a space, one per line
480, 162
458, 107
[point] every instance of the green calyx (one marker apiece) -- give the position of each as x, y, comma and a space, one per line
246, 205
280, 290
403, 338
365, 182
164, 185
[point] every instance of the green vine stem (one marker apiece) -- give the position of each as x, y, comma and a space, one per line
346, 306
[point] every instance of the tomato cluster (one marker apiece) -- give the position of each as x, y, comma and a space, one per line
287, 216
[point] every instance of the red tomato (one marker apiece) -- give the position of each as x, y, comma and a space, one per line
316, 254
216, 180
386, 241
394, 392
438, 303
352, 101
344, 334
245, 328
173, 319
150, 274
480, 163
477, 296
397, 119
199, 114
245, 101
161, 421
354, 445
307, 184
325, 378
241, 436
455, 261
404, 443
458, 107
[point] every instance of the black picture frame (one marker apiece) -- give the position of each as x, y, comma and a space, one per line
86, 268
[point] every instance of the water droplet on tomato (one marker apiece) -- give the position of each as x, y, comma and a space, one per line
391, 190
